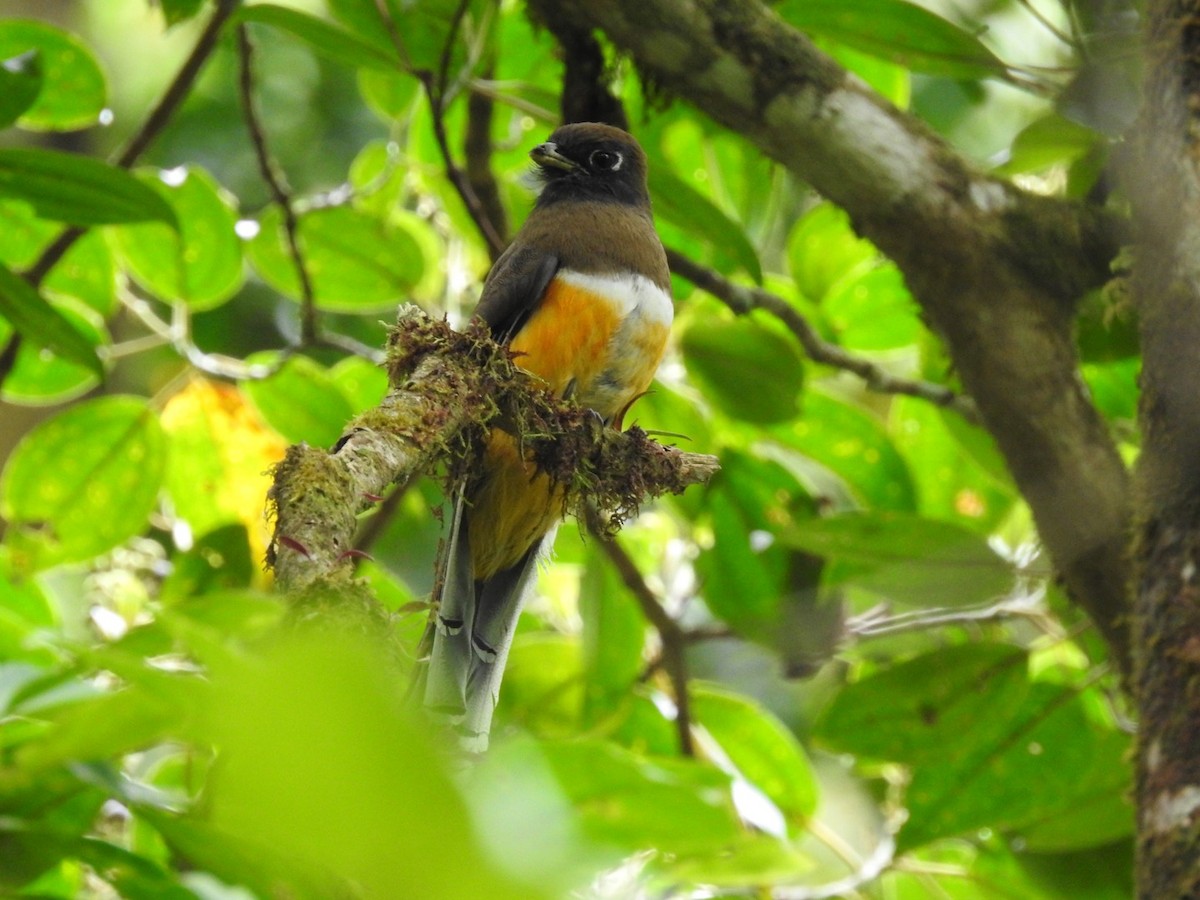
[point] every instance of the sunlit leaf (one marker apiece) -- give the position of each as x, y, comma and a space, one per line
202, 264
873, 311
422, 30
378, 807
72, 91
300, 401
84, 480
679, 202
614, 632
764, 752
634, 802
362, 382
1048, 141
851, 443
959, 473
357, 263
823, 250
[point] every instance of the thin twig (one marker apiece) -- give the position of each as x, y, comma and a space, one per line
742, 299
179, 87
672, 636
430, 82
277, 184
1067, 39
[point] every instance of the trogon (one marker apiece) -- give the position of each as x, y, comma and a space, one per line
582, 299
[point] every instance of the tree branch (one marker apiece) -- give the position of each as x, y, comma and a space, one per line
447, 388
743, 299
996, 270
1165, 190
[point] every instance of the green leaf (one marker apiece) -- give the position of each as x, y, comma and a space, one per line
337, 44
378, 807
681, 204
40, 378
745, 579
926, 709
73, 91
78, 190
823, 249
20, 83
908, 559
86, 273
112, 723
1049, 141
873, 311
1054, 758
959, 473
220, 560
201, 264
614, 633
423, 29
853, 445
902, 32
80, 483
362, 382
762, 749
176, 11
300, 401
543, 684
43, 325
634, 802
746, 367
356, 263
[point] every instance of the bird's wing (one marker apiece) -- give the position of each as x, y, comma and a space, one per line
514, 288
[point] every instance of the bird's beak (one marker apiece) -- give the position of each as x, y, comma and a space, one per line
547, 156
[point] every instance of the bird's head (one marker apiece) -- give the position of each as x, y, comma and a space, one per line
590, 161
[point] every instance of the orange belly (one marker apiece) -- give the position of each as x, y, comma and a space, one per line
574, 341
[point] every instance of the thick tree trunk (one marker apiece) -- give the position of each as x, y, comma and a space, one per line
996, 270
1166, 194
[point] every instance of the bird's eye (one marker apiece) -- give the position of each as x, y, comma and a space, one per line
605, 160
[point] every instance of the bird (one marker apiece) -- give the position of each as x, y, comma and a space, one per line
582, 299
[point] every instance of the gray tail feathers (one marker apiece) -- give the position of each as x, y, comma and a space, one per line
473, 633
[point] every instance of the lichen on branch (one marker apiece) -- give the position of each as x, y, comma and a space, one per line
446, 390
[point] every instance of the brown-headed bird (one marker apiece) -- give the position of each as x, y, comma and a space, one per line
582, 298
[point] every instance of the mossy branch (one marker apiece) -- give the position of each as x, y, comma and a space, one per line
447, 388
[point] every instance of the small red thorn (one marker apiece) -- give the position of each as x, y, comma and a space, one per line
374, 498
293, 544
352, 553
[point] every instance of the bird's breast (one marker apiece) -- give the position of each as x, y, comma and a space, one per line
599, 337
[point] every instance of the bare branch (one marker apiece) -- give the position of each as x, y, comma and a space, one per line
743, 299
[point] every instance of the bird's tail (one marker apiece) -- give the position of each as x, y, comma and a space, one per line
473, 631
